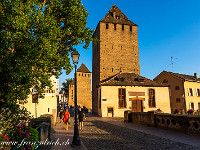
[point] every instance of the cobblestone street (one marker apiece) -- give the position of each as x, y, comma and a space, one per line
113, 133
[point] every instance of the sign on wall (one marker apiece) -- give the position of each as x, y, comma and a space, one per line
35, 98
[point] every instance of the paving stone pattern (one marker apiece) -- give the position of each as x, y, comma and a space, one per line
102, 133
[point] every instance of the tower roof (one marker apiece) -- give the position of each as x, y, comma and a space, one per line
83, 68
115, 15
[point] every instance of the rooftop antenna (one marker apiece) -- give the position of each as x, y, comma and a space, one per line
172, 62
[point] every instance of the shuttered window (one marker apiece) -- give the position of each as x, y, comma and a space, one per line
152, 102
122, 98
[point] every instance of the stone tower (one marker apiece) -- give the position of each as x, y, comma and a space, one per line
84, 95
117, 50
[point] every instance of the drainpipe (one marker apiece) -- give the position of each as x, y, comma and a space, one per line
183, 96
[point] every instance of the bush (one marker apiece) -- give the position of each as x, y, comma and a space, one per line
177, 111
26, 137
190, 112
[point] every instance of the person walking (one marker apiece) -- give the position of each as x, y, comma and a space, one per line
66, 118
61, 114
80, 117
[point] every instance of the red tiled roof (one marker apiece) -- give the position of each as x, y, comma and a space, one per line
130, 79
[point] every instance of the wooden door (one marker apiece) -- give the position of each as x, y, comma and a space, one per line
137, 106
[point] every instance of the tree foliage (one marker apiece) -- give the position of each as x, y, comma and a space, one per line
36, 38
66, 86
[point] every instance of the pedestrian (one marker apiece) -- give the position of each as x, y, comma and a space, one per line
61, 114
80, 117
66, 118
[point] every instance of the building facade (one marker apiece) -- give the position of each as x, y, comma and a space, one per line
117, 50
46, 105
84, 94
129, 91
185, 90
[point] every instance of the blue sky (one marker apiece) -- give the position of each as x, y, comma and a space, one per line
167, 28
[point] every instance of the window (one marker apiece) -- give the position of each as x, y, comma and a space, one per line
192, 106
122, 27
122, 98
88, 75
152, 102
190, 92
106, 26
48, 109
177, 88
178, 100
130, 28
199, 106
198, 92
115, 27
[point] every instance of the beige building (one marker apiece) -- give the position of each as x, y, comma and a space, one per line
84, 94
129, 91
117, 50
46, 105
185, 90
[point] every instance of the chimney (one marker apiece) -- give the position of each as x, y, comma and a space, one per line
195, 75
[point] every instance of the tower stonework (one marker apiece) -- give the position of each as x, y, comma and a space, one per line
84, 95
117, 50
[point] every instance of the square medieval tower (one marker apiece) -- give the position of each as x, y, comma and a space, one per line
117, 50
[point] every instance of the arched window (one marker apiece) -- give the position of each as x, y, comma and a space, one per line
152, 102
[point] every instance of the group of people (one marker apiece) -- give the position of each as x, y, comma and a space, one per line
65, 117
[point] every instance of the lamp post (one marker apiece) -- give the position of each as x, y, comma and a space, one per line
76, 139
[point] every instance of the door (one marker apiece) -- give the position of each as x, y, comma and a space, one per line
137, 106
110, 112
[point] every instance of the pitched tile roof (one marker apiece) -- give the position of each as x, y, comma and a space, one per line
72, 83
184, 76
115, 15
130, 79
83, 68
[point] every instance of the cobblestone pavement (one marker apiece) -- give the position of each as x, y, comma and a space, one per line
63, 137
114, 134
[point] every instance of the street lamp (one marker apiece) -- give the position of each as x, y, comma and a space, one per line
76, 138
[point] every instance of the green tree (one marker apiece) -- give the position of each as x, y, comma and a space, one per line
36, 37
66, 86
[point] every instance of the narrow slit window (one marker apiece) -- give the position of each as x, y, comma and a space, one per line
122, 27
106, 26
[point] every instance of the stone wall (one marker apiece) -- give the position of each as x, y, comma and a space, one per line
183, 123
84, 95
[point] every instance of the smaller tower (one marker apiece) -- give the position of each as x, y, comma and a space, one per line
84, 95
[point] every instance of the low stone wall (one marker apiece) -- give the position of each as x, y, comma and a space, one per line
183, 123
52, 120
43, 125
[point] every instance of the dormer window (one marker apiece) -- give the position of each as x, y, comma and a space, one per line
121, 79
118, 18
165, 81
